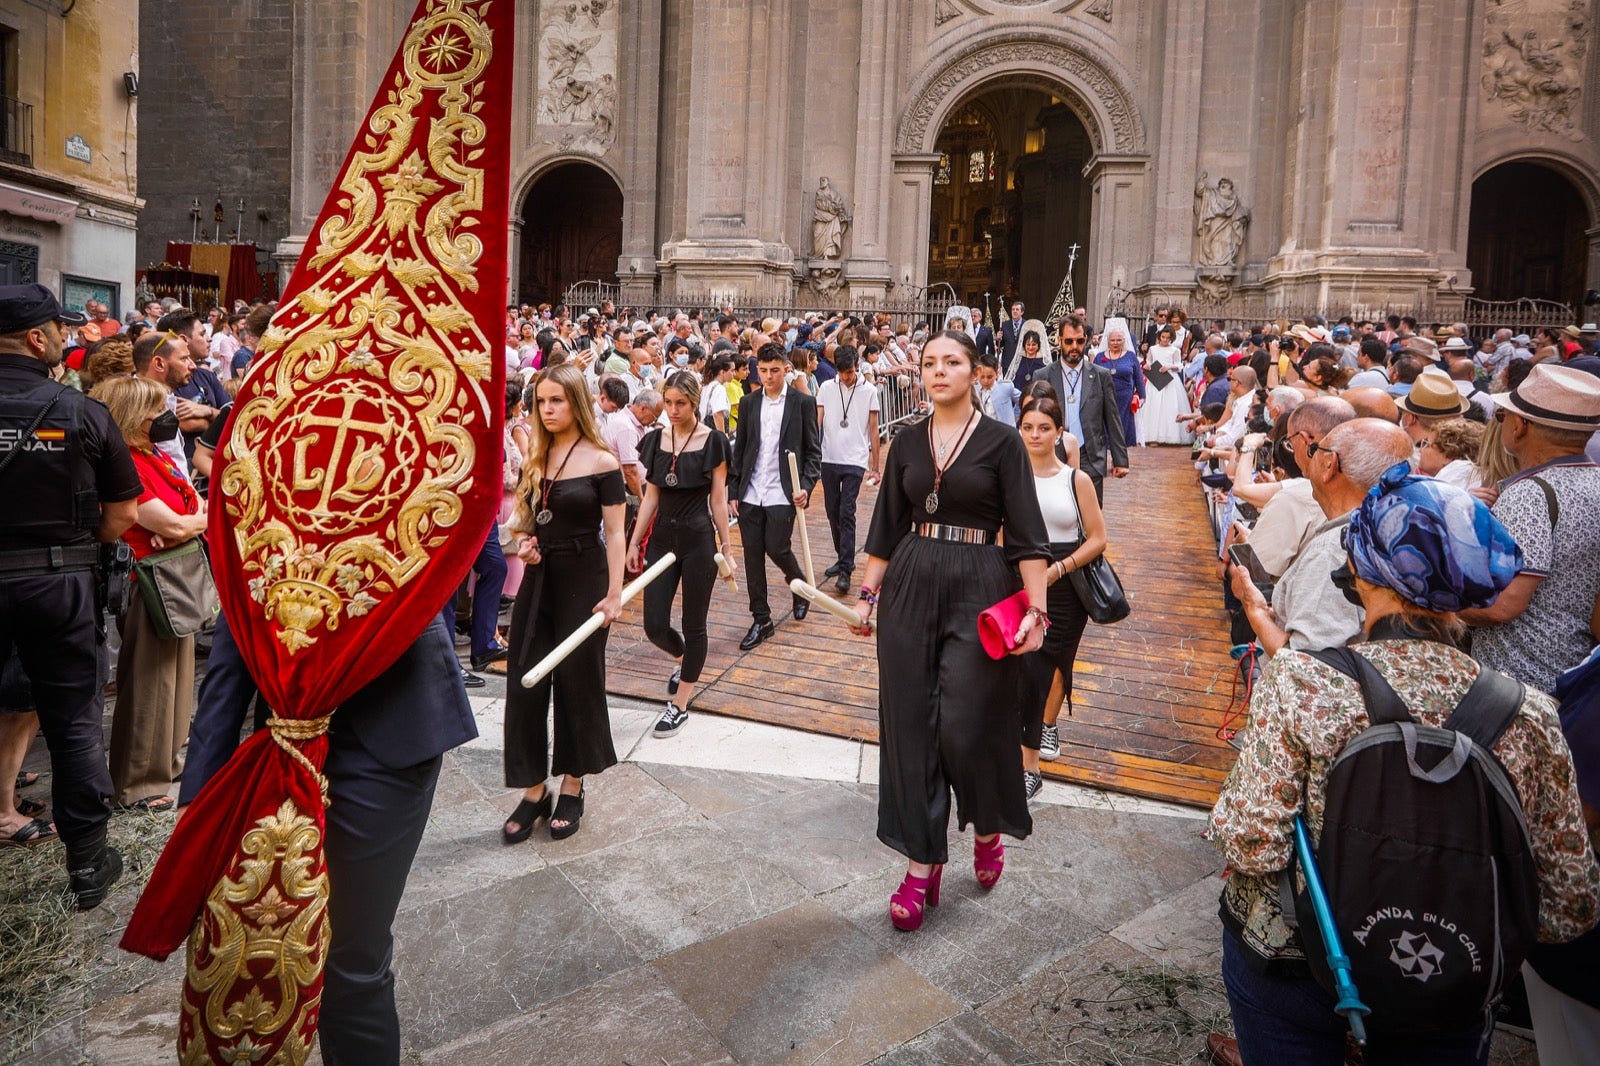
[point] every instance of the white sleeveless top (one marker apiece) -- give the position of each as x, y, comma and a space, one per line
1059, 505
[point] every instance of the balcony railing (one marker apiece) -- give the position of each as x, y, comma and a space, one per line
16, 131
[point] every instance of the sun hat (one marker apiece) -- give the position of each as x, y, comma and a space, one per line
1434, 395
1455, 344
1561, 397
1436, 545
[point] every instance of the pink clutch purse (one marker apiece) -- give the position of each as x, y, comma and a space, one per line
997, 626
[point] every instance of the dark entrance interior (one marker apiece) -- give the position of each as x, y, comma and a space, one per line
571, 232
1525, 236
1010, 199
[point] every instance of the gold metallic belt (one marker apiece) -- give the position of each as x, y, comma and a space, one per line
958, 534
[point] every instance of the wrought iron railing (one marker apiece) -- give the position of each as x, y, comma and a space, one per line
16, 131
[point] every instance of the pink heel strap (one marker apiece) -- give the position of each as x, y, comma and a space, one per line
988, 861
913, 896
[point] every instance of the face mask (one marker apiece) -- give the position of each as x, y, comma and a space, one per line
681, 359
1344, 579
163, 427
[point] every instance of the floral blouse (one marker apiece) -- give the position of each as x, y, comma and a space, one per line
1301, 716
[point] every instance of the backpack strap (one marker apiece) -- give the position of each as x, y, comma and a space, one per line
1384, 704
1552, 506
1488, 708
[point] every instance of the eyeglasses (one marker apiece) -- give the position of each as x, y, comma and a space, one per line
1315, 446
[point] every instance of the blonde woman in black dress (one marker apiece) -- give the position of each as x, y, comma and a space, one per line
947, 712
571, 490
686, 499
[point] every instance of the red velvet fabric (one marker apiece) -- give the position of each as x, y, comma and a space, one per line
356, 481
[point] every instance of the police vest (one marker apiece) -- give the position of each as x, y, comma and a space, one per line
47, 483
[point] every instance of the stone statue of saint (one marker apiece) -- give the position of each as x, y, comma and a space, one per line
1219, 221
829, 217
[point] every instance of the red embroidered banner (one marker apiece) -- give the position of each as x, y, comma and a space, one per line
353, 490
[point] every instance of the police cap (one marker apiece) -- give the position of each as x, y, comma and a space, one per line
22, 307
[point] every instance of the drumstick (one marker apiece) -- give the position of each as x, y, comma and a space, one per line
827, 603
725, 568
800, 520
593, 623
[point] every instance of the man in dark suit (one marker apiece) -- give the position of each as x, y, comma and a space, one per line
386, 746
982, 333
773, 422
1090, 404
1010, 336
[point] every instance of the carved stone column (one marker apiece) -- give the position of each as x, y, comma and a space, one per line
911, 204
869, 272
1120, 222
514, 246
639, 126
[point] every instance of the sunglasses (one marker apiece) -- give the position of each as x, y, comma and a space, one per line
1314, 446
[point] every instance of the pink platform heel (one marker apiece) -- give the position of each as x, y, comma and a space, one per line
913, 896
988, 860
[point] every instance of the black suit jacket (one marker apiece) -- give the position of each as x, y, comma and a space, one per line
1097, 414
1010, 334
800, 434
985, 338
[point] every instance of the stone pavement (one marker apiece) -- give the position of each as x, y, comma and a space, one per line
726, 902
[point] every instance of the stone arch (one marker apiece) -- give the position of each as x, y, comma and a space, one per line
1577, 171
527, 174
1091, 85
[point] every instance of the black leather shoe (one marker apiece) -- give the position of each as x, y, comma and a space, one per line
472, 680
758, 632
802, 607
842, 584
89, 884
494, 655
831, 571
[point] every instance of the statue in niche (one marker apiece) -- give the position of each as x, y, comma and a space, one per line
580, 89
829, 218
1220, 219
1533, 64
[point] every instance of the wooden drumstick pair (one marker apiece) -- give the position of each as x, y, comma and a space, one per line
592, 624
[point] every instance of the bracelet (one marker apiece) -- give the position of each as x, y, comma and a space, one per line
1038, 614
869, 595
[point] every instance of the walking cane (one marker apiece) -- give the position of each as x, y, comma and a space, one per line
592, 624
800, 516
1344, 985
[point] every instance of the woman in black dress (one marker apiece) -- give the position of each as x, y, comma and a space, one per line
571, 488
947, 712
686, 496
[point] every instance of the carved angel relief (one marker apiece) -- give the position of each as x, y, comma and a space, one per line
578, 48
1534, 57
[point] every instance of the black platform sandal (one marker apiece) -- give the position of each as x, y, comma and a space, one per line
528, 812
569, 809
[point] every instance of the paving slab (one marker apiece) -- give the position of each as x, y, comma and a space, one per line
1182, 930
630, 1017
681, 885
718, 743
620, 805
461, 849
965, 1040
803, 986
823, 838
468, 962
715, 793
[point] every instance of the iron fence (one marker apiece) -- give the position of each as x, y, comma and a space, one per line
1482, 317
16, 131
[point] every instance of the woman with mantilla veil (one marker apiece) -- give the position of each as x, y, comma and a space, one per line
1118, 355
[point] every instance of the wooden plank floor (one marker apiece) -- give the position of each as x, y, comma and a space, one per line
1150, 692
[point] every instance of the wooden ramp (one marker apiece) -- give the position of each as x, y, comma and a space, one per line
1150, 692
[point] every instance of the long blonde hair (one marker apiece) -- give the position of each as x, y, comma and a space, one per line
1494, 464
576, 388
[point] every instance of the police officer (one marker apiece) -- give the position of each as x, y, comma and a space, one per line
64, 461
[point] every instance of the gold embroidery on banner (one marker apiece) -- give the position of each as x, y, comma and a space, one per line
260, 946
358, 431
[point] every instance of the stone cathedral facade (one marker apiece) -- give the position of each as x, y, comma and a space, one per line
1346, 153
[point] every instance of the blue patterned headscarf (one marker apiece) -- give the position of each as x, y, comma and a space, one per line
1434, 544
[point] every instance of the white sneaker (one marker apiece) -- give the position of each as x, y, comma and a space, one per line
672, 720
1050, 743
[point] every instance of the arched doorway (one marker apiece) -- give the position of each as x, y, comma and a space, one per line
1525, 235
1009, 198
571, 231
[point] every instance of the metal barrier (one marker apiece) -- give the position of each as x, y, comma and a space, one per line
901, 401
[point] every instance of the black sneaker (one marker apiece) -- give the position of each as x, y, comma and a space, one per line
1031, 783
1050, 743
90, 884
672, 720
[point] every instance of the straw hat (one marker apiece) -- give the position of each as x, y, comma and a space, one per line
1455, 344
1572, 331
1434, 395
1560, 397
1310, 334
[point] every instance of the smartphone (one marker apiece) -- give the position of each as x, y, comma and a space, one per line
1245, 556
